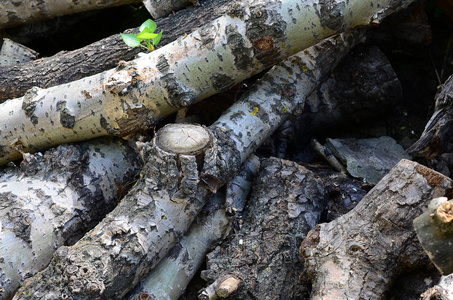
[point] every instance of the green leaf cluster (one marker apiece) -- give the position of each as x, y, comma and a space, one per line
146, 35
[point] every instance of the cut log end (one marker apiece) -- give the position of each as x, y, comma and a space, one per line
184, 138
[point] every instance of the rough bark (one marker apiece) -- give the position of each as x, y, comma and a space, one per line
105, 54
438, 131
153, 216
52, 199
170, 277
13, 13
287, 201
357, 255
158, 9
136, 94
434, 231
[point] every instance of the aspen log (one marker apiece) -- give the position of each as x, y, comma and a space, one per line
173, 273
13, 13
52, 199
358, 255
135, 95
105, 54
154, 215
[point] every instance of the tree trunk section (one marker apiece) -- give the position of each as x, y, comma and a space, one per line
13, 13
52, 199
136, 94
357, 255
105, 54
287, 201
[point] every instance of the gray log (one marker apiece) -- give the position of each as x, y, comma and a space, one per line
287, 201
357, 255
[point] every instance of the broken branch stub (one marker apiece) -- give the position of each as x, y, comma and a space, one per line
358, 255
435, 231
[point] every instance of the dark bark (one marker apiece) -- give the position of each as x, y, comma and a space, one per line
287, 200
358, 255
102, 55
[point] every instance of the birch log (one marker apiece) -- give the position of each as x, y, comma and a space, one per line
359, 254
131, 240
13, 13
53, 199
173, 273
102, 55
136, 94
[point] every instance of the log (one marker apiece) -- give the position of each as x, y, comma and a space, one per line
442, 291
175, 184
13, 13
437, 134
158, 9
261, 259
136, 94
105, 54
173, 273
357, 255
53, 199
14, 53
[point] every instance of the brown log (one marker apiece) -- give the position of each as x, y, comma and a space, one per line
437, 134
99, 56
261, 259
357, 255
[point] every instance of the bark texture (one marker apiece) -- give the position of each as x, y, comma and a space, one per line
441, 291
154, 215
52, 199
13, 53
159, 9
438, 131
13, 13
287, 201
136, 94
105, 54
357, 255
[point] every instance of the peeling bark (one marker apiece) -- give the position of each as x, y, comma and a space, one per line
358, 255
13, 13
262, 258
105, 54
136, 94
52, 199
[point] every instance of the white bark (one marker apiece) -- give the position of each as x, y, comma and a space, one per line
13, 53
52, 199
136, 94
13, 13
173, 273
152, 217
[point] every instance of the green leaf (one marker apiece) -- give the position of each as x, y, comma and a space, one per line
156, 40
146, 35
150, 24
130, 39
